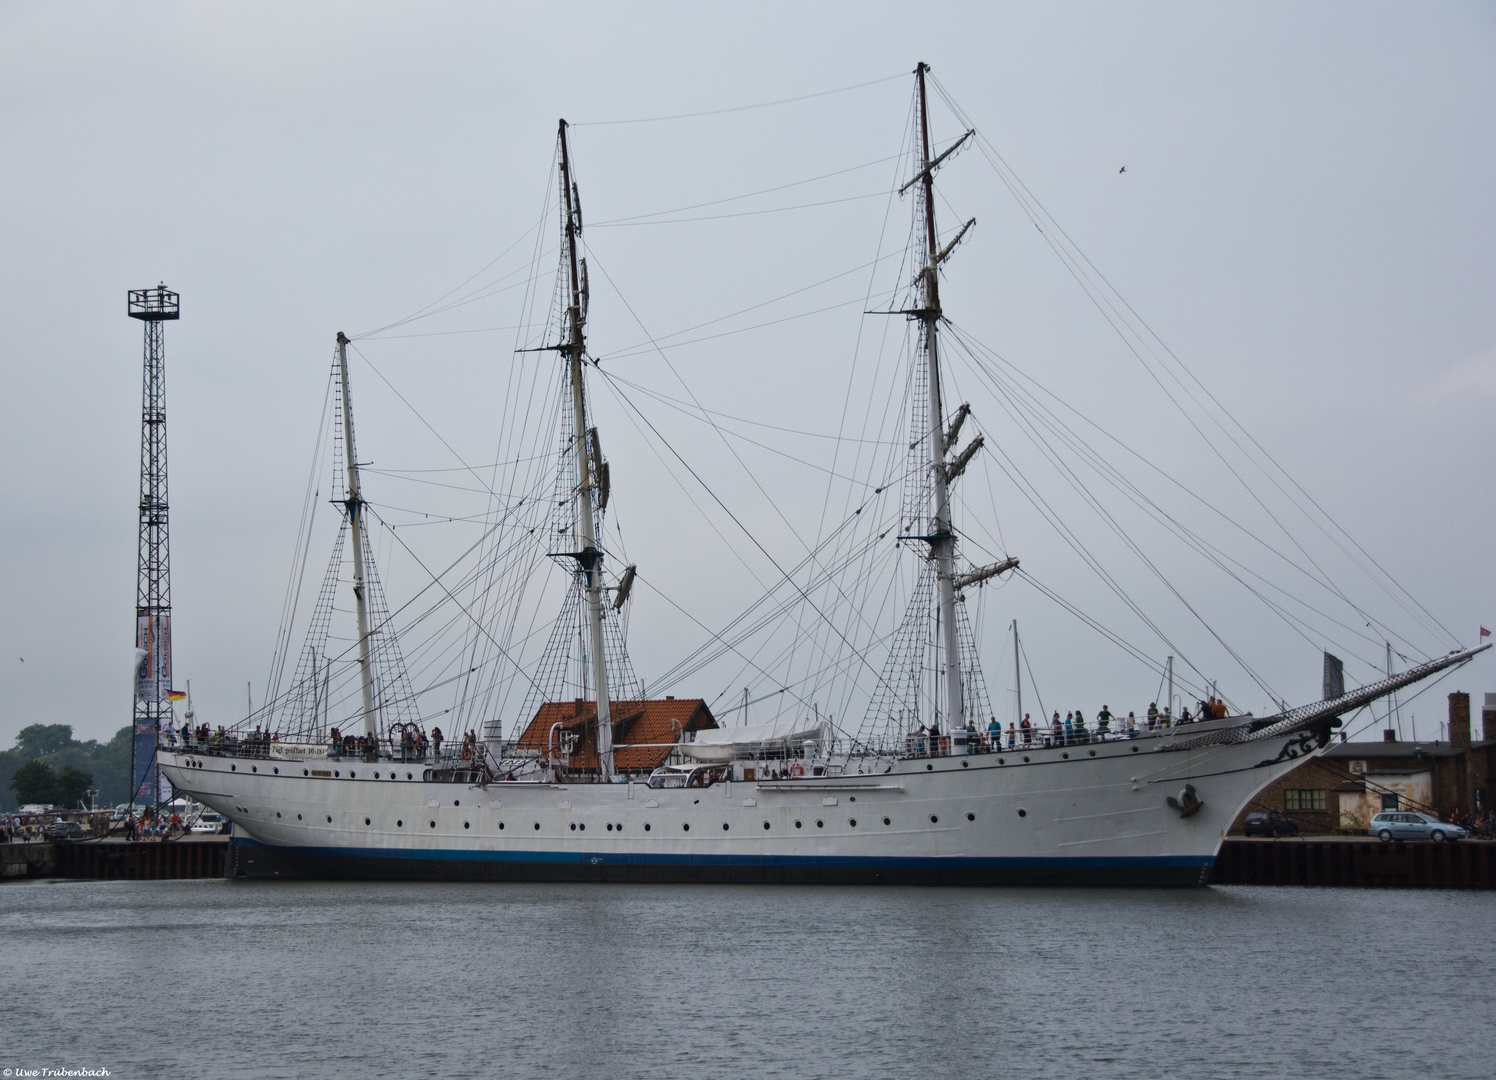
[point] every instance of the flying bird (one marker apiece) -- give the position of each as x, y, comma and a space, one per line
1123, 169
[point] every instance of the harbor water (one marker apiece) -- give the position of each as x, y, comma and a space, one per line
214, 978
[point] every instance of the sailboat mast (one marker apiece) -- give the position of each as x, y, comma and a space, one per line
1017, 671
590, 557
355, 508
942, 538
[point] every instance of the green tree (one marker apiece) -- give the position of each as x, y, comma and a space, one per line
72, 786
34, 782
38, 740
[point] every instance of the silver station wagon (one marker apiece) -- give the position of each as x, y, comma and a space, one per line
1409, 825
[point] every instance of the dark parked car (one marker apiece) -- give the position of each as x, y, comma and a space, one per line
1268, 823
65, 830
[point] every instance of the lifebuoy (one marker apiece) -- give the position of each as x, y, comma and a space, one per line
467, 752
797, 769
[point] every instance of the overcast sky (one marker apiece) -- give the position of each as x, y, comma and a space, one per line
1306, 218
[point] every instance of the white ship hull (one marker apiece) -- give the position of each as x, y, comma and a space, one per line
1085, 814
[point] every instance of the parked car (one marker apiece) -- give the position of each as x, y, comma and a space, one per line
1411, 825
1269, 823
65, 830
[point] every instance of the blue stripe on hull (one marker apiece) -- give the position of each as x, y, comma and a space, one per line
248, 858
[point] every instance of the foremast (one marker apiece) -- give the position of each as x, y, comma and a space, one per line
590, 558
353, 505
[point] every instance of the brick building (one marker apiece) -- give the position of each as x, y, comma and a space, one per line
1341, 789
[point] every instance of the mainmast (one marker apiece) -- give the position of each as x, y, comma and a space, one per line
590, 558
354, 505
942, 537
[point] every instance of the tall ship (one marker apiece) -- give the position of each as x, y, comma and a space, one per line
346, 772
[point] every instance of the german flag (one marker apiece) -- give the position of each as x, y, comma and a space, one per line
176, 695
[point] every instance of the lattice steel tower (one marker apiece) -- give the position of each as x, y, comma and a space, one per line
153, 585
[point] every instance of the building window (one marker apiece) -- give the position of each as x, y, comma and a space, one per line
1389, 801
1305, 799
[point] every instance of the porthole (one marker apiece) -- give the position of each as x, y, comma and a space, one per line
619, 826
277, 813
433, 824
685, 826
934, 819
1093, 753
465, 825
610, 826
401, 825
304, 772
964, 764
456, 802
1002, 761
851, 798
352, 775
583, 826
573, 826
766, 824
407, 776
1134, 749
852, 822
1025, 759
887, 821
329, 819
298, 817
376, 776
537, 826
501, 826
724, 826
366, 821
971, 817
820, 824
233, 768
1022, 812
276, 770
254, 768
929, 768
646, 826
335, 773
797, 824
1066, 755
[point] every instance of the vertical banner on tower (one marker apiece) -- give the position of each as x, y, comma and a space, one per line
152, 701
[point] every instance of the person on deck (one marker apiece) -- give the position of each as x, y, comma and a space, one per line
1104, 722
1069, 728
994, 732
1132, 726
1080, 727
1012, 734
1027, 729
1056, 733
1152, 715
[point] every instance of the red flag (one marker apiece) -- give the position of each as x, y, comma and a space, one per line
1484, 632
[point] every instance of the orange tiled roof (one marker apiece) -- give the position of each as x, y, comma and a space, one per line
639, 727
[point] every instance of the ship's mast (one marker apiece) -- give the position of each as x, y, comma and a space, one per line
355, 507
942, 537
590, 558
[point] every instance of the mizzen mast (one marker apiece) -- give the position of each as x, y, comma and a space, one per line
354, 505
590, 558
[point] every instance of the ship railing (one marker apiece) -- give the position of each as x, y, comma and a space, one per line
917, 745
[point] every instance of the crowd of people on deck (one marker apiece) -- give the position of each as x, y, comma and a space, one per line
1073, 730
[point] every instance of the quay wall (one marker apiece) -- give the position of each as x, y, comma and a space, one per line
1356, 861
116, 859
